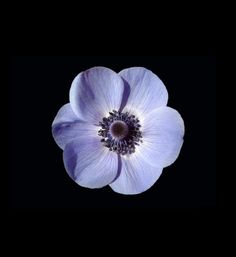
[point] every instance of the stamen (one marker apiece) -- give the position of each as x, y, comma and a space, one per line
120, 132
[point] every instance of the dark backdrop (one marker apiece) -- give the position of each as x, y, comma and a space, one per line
40, 86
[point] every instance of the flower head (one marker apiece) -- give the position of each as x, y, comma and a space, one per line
117, 130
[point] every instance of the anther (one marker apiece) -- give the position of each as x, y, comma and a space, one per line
120, 132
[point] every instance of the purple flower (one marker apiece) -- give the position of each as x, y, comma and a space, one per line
117, 130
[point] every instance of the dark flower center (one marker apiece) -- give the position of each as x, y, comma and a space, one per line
119, 129
120, 132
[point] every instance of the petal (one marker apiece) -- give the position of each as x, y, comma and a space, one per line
66, 127
162, 131
136, 176
89, 163
96, 92
147, 91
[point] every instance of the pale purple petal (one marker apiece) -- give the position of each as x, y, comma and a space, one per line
96, 92
89, 163
136, 176
66, 127
163, 131
147, 91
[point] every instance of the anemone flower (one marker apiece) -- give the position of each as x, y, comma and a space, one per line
117, 130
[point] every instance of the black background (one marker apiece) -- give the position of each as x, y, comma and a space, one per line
40, 86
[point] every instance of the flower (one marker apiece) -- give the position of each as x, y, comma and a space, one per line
117, 130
